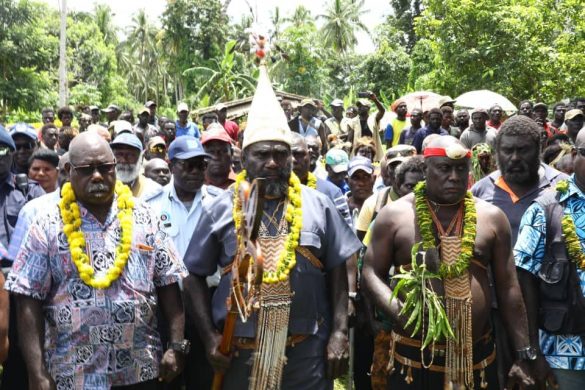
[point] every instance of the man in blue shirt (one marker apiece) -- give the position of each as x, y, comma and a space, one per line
336, 163
433, 127
563, 353
183, 126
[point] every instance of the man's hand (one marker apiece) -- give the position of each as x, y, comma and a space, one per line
218, 360
171, 365
372, 96
543, 374
520, 376
41, 381
337, 354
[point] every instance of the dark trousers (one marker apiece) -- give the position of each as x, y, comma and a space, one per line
15, 375
363, 352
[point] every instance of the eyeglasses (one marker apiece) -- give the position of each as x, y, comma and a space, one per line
88, 170
192, 164
26, 146
4, 150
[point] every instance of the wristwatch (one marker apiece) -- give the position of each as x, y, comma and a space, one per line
183, 346
528, 353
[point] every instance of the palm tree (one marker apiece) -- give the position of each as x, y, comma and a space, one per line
300, 17
342, 21
104, 20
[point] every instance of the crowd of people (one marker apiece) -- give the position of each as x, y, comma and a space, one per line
407, 245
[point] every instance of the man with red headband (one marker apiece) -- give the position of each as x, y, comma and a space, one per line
456, 237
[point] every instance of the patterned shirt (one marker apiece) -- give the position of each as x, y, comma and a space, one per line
566, 351
95, 339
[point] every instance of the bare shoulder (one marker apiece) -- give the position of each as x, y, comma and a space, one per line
397, 211
487, 213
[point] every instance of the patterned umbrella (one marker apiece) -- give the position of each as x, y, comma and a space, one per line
424, 100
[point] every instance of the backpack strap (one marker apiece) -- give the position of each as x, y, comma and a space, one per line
381, 201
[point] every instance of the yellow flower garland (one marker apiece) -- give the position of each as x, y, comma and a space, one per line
294, 216
569, 229
312, 181
71, 227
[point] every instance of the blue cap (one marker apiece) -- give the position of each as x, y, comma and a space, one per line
24, 129
186, 147
360, 163
127, 139
6, 139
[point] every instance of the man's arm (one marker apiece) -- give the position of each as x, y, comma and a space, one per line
509, 297
29, 315
169, 298
379, 106
377, 263
198, 303
338, 345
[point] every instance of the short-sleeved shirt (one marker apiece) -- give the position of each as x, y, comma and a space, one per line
561, 351
407, 136
338, 128
494, 190
189, 129
423, 133
334, 193
312, 128
324, 233
27, 214
12, 200
95, 339
471, 137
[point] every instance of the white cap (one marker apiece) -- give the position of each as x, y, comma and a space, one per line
182, 107
266, 120
122, 126
337, 103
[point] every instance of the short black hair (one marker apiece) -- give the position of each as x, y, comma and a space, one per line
411, 164
46, 155
557, 105
47, 109
446, 110
436, 110
526, 101
64, 110
522, 126
47, 126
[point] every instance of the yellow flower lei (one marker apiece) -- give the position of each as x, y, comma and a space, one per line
569, 229
71, 227
294, 216
312, 181
469, 230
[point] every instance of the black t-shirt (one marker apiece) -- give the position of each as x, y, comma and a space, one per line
366, 132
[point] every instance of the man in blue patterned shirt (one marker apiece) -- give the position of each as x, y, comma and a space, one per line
563, 353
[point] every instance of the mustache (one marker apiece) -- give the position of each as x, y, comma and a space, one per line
97, 187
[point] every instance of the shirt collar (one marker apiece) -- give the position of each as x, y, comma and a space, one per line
172, 193
573, 190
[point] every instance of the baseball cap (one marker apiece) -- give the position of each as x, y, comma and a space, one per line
149, 104
446, 100
540, 104
110, 108
337, 103
400, 153
122, 126
215, 132
93, 108
6, 139
186, 147
23, 129
572, 114
360, 163
156, 140
182, 107
337, 159
143, 110
127, 139
307, 102
221, 106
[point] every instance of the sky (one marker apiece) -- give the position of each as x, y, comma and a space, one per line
124, 9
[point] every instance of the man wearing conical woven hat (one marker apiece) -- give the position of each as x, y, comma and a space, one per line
296, 335
441, 240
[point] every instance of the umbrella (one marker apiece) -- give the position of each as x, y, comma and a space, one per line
484, 99
424, 100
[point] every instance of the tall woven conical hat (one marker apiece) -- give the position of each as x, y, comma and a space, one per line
266, 119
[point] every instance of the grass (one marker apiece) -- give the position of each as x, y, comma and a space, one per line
340, 383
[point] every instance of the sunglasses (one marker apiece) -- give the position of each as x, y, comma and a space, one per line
4, 150
190, 165
158, 149
88, 170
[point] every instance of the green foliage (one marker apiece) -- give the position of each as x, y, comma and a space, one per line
342, 21
521, 49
